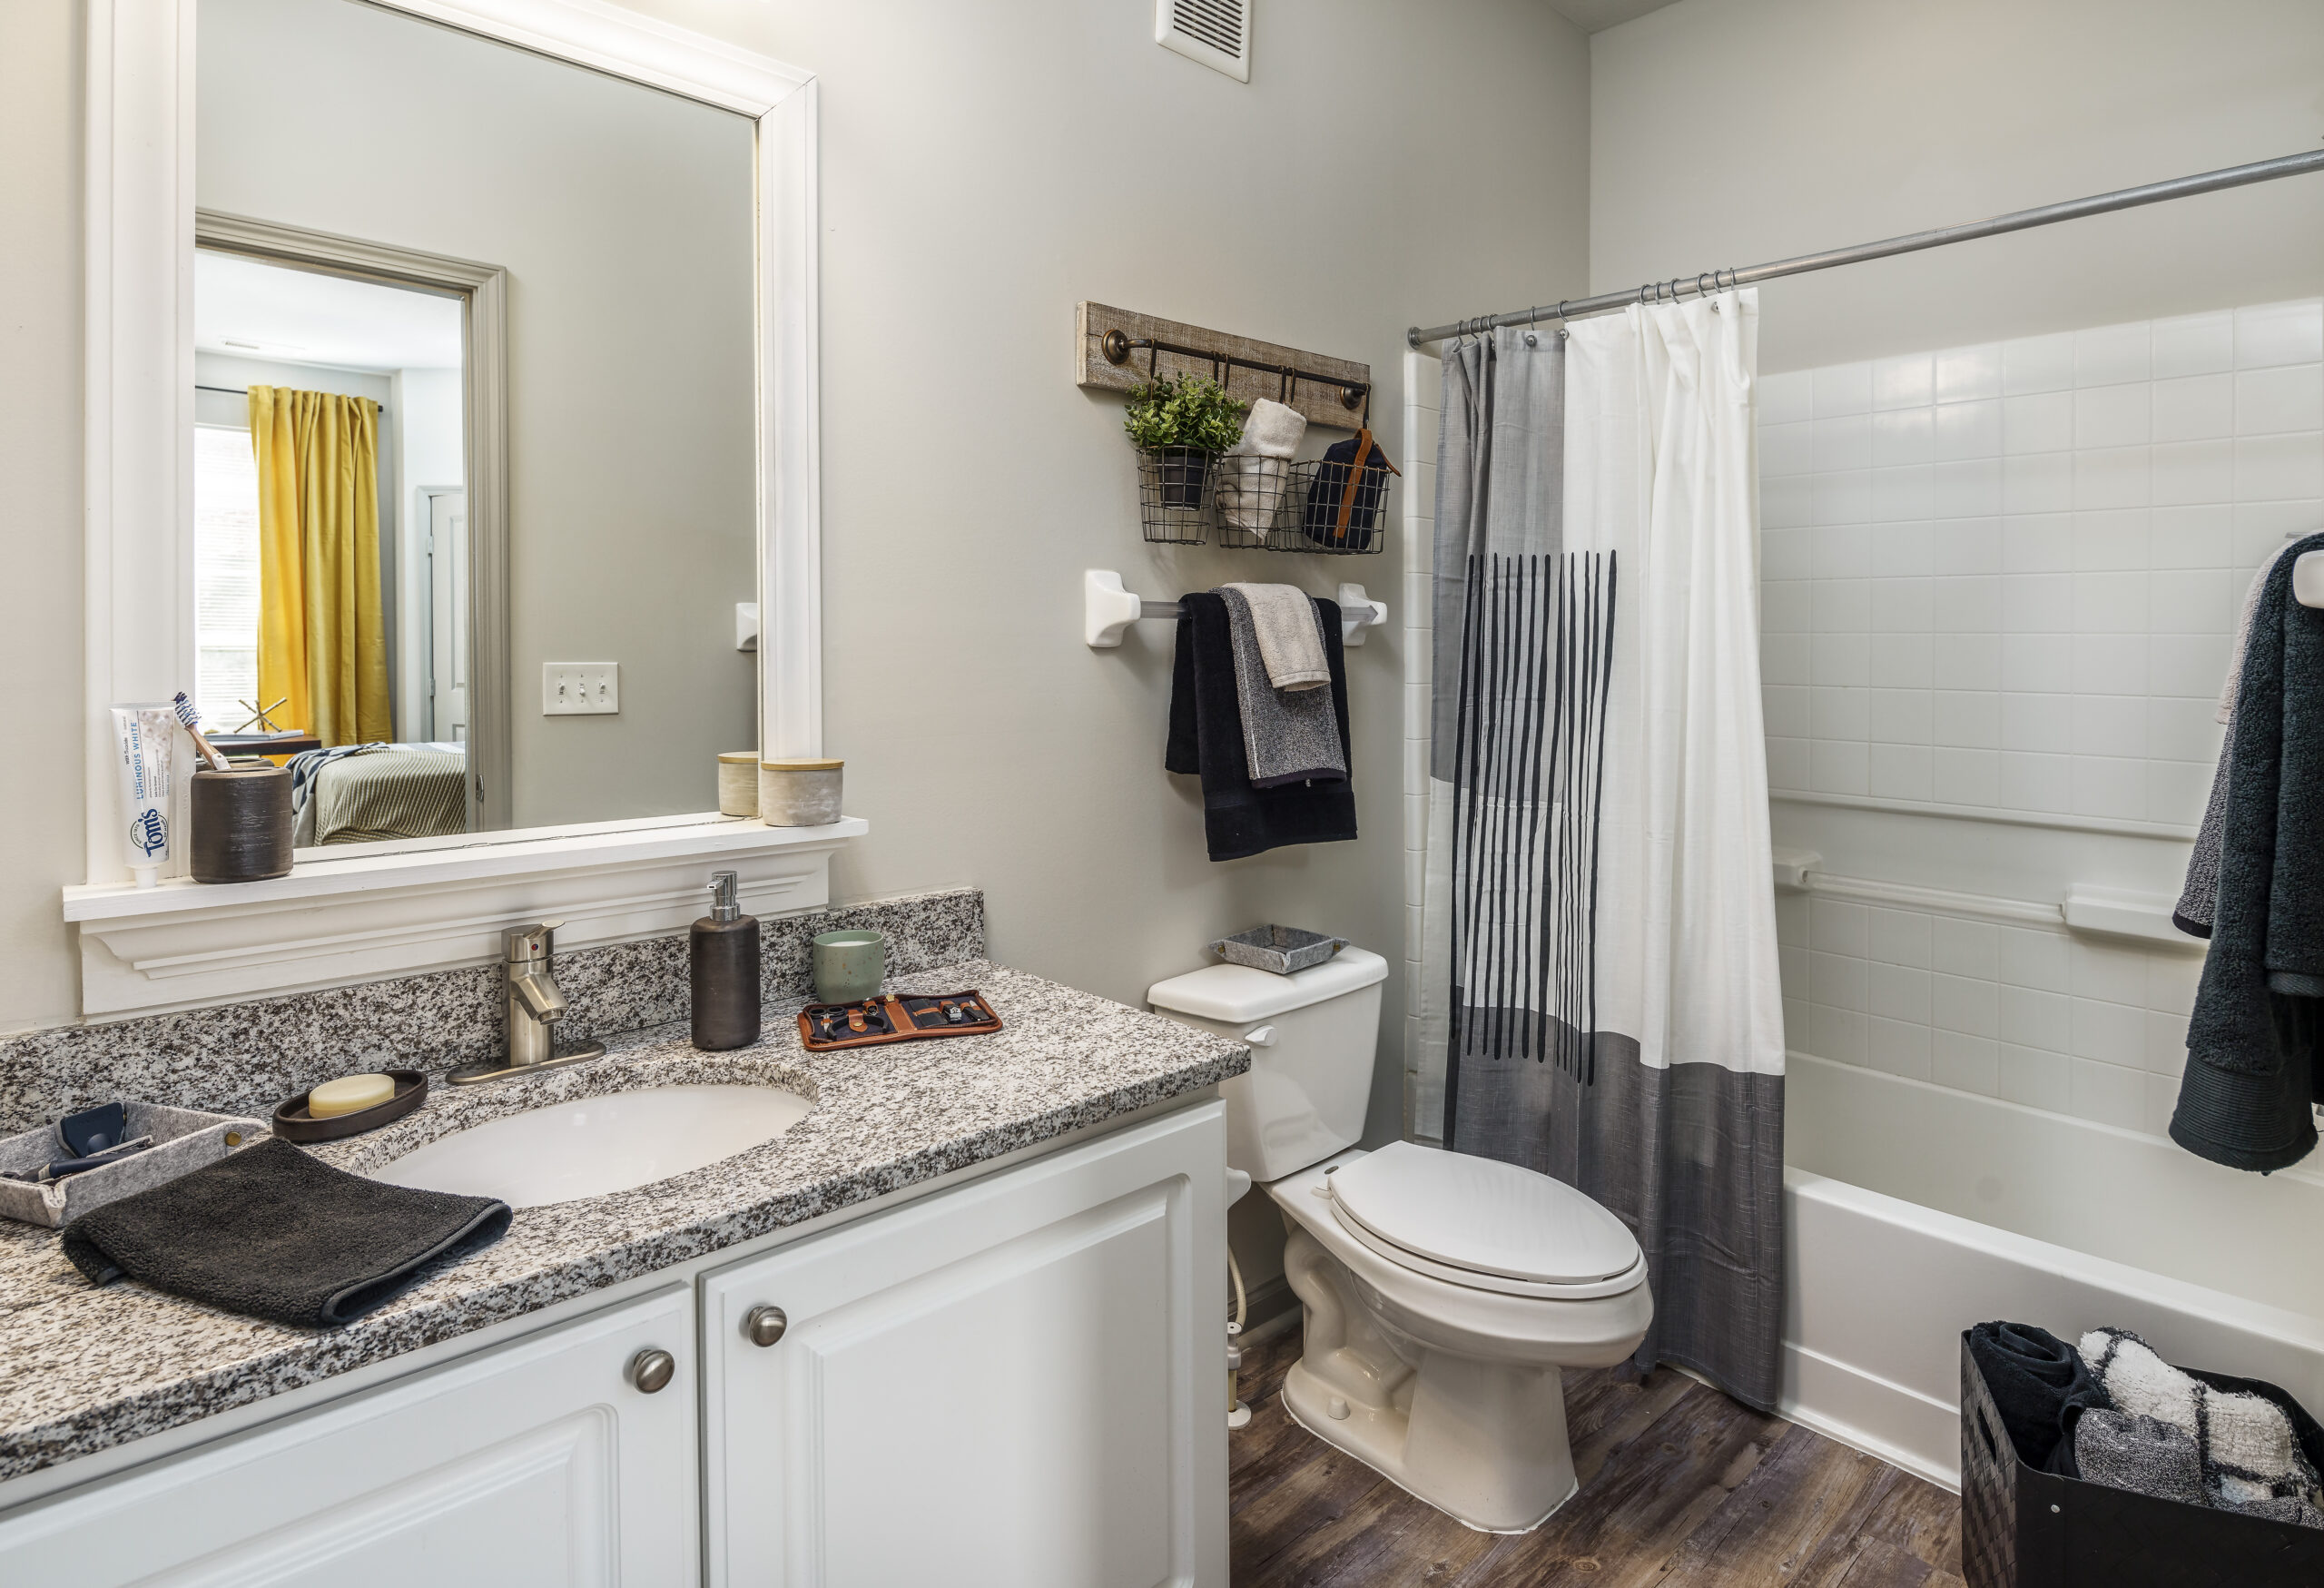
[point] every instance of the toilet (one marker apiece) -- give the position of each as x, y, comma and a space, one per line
1442, 1293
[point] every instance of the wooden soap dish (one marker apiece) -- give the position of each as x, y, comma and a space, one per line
294, 1123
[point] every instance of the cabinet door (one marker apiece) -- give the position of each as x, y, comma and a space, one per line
536, 1464
1020, 1383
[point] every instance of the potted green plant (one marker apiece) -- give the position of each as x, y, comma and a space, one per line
1180, 423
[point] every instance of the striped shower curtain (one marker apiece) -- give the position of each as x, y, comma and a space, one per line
1601, 1000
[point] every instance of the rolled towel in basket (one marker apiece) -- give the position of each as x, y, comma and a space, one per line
1252, 473
2250, 1447
2039, 1387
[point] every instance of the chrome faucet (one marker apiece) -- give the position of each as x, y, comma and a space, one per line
535, 1005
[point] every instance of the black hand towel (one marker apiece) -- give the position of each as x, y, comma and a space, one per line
2040, 1385
275, 1234
1207, 739
2251, 1072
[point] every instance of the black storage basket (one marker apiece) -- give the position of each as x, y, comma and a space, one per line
2024, 1528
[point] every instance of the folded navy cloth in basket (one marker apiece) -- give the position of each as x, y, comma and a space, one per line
2040, 1385
272, 1233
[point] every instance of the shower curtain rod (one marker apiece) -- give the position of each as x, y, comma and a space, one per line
1709, 281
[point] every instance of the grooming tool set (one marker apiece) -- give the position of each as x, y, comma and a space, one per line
895, 1017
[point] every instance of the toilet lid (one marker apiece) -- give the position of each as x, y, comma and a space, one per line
1483, 1215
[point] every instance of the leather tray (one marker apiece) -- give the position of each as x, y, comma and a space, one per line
893, 1016
294, 1123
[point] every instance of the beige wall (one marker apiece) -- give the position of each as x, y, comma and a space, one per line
41, 848
983, 168
1733, 132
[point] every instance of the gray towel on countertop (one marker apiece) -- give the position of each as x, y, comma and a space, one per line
274, 1234
1288, 737
2141, 1454
2200, 898
1290, 644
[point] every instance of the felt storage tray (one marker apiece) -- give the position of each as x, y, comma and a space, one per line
894, 1017
1284, 950
184, 1140
2024, 1528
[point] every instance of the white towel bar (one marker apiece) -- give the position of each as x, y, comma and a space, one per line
1107, 609
2308, 579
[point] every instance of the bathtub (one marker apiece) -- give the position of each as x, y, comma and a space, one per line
1912, 1212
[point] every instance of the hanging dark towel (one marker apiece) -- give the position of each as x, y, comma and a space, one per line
1207, 740
2252, 1072
275, 1234
2040, 1385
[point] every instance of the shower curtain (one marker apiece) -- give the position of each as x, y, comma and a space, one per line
1602, 997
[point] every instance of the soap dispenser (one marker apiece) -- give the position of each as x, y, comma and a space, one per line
724, 959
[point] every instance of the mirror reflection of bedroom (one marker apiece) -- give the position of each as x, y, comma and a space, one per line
475, 448
330, 563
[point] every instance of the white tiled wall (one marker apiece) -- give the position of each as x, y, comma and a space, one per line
2005, 576
2030, 1014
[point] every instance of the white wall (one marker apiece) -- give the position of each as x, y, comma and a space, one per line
623, 216
1733, 132
2012, 489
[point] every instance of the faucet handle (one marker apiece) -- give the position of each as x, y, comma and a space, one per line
532, 942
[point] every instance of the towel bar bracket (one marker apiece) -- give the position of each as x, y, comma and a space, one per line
1108, 610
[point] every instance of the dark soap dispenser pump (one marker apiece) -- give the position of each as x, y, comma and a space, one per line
724, 959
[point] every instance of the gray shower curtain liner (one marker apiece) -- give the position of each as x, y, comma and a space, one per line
1534, 924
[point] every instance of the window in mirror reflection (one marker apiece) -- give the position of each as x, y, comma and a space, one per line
330, 568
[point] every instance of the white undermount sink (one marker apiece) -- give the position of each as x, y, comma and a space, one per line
591, 1146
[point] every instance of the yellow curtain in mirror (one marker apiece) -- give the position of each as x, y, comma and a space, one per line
321, 642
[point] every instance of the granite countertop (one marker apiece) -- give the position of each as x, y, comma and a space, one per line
83, 1369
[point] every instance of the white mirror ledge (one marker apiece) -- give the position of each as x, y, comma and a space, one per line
183, 944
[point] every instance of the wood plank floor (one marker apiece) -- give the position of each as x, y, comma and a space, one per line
1681, 1487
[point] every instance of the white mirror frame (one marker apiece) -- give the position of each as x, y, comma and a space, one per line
441, 904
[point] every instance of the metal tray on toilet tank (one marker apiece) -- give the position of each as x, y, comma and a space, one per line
1285, 950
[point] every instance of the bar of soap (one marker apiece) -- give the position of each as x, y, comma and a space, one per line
347, 1094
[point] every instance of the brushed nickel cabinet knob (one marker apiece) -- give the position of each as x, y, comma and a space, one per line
651, 1371
765, 1325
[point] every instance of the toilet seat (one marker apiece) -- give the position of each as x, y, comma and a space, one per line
1484, 1225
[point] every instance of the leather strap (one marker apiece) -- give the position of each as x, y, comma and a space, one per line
1363, 448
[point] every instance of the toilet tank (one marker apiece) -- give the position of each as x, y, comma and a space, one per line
1312, 1039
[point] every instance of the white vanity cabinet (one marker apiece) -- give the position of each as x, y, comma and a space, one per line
1019, 1383
538, 1464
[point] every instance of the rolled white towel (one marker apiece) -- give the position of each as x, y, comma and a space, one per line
1272, 430
1252, 472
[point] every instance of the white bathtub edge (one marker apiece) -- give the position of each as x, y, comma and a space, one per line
1815, 1387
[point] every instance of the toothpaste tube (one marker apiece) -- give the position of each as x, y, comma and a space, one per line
143, 735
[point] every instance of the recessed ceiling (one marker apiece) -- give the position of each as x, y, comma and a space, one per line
252, 310
1598, 16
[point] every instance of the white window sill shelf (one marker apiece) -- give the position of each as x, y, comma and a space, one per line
402, 912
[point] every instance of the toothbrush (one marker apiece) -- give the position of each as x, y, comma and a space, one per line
192, 721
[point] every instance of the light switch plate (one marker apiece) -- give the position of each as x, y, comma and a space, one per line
580, 688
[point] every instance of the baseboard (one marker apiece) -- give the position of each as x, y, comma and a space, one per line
1269, 1309
1864, 1411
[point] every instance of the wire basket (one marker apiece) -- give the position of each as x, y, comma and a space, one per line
1312, 518
1255, 500
1174, 494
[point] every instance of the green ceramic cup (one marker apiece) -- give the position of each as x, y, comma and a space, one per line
849, 965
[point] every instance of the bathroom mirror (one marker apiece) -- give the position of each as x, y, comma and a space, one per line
473, 425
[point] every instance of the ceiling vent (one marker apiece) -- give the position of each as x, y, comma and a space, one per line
1218, 32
